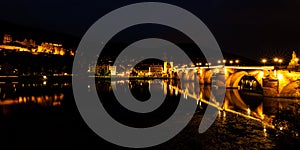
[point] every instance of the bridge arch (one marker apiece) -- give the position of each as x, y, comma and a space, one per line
236, 78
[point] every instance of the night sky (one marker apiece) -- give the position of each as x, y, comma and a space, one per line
251, 28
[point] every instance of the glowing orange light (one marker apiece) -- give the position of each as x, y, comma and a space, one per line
280, 76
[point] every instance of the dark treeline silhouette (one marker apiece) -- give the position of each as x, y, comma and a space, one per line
27, 64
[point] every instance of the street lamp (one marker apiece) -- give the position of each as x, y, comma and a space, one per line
237, 61
276, 60
199, 64
280, 61
224, 61
231, 62
264, 61
219, 61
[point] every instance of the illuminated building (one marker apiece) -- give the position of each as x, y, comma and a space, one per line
168, 67
32, 47
51, 48
7, 39
293, 64
155, 70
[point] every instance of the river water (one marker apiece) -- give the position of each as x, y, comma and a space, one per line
44, 115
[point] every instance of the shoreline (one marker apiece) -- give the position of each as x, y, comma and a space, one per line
68, 78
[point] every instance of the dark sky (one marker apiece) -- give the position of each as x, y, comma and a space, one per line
247, 27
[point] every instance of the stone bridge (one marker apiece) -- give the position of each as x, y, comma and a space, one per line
274, 82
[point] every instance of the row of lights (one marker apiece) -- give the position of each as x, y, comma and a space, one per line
276, 60
199, 64
219, 62
230, 61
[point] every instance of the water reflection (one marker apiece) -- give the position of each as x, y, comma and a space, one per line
32, 93
249, 103
273, 111
282, 113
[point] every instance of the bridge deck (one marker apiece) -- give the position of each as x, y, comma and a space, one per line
233, 67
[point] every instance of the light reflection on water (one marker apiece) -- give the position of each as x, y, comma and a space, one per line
279, 112
249, 103
43, 94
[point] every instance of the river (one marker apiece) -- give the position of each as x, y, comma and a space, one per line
44, 115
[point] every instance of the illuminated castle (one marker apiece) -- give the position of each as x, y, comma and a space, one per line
30, 46
51, 48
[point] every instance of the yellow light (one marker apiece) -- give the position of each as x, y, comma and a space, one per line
280, 76
276, 59
261, 74
219, 61
237, 61
224, 61
265, 131
280, 60
264, 60
296, 59
248, 111
231, 61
